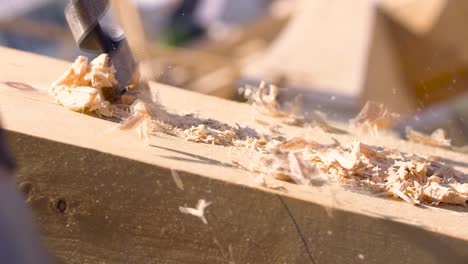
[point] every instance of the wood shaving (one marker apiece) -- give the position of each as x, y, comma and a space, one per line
212, 132
412, 178
209, 131
374, 116
177, 179
199, 211
259, 179
140, 120
275, 186
83, 87
319, 119
264, 99
438, 138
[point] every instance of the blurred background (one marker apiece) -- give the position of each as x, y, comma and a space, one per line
410, 55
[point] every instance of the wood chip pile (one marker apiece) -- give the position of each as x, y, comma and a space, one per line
302, 160
410, 177
83, 86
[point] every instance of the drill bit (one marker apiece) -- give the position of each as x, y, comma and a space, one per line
91, 33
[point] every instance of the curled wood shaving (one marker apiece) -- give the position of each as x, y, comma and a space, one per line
82, 86
438, 138
265, 99
81, 98
375, 116
140, 120
412, 178
199, 211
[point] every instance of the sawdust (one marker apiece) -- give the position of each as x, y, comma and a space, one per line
190, 127
209, 131
410, 177
438, 138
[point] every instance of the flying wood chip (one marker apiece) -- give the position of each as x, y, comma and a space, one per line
375, 116
438, 138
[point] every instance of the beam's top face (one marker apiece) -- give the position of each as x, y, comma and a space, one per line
26, 108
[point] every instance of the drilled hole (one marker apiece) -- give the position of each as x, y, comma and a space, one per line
61, 205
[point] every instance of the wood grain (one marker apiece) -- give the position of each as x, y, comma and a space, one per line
101, 197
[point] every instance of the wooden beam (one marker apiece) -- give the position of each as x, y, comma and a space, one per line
100, 196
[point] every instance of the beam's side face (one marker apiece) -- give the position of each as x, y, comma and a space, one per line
96, 207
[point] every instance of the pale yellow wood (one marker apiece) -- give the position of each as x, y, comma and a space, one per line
434, 63
385, 81
340, 54
418, 16
124, 203
323, 47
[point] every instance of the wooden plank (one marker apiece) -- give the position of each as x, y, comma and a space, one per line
122, 203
